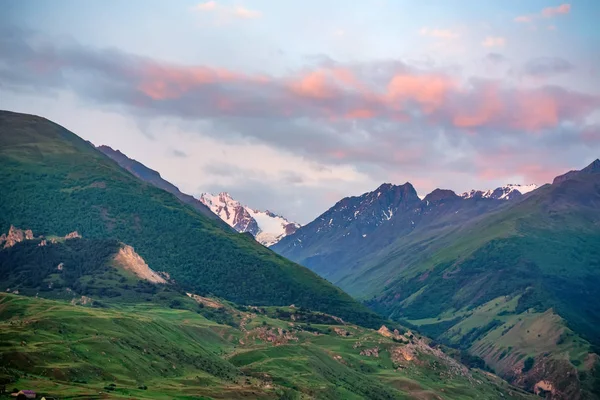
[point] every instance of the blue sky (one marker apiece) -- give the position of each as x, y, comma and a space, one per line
292, 105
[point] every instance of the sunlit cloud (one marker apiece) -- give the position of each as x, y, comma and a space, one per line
523, 18
547, 12
439, 33
243, 12
373, 116
224, 12
552, 11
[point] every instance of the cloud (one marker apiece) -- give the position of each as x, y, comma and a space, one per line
544, 67
495, 58
178, 153
208, 6
439, 33
379, 117
492, 41
548, 12
224, 13
523, 18
246, 13
552, 11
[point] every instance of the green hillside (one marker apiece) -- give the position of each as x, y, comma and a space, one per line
112, 334
542, 257
145, 351
58, 183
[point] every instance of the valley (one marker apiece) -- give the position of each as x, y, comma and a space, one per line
530, 261
451, 290
88, 318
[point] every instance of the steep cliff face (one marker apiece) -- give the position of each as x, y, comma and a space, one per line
128, 259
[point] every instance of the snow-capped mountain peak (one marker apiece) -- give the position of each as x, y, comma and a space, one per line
506, 192
267, 227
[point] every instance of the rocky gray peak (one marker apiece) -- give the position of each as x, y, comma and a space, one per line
441, 195
506, 192
593, 168
265, 226
369, 210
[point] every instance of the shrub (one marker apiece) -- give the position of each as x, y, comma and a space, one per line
528, 364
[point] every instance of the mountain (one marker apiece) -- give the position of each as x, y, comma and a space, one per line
592, 169
153, 177
507, 192
341, 244
268, 228
513, 282
60, 183
88, 318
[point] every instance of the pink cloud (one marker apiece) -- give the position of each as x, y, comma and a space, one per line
523, 18
169, 82
535, 111
315, 85
504, 163
224, 12
246, 13
487, 109
338, 93
208, 6
427, 90
552, 11
360, 114
547, 12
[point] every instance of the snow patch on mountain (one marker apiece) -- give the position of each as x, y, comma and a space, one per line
268, 228
506, 192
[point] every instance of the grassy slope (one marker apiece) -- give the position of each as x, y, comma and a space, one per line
544, 253
76, 352
60, 183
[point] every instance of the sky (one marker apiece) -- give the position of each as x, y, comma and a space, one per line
291, 106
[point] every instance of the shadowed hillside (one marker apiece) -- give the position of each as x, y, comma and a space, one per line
60, 183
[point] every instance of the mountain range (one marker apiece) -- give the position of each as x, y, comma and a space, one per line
507, 192
268, 228
115, 287
510, 277
75, 187
155, 291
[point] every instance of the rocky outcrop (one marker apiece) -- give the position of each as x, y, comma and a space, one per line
73, 235
341, 332
374, 352
205, 301
128, 259
82, 301
272, 335
551, 378
395, 335
14, 236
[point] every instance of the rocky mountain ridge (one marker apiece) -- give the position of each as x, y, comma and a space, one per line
267, 227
